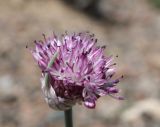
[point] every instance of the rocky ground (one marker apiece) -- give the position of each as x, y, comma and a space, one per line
130, 29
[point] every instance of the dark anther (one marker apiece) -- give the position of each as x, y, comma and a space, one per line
44, 36
84, 53
109, 84
26, 46
48, 45
96, 40
73, 38
103, 47
111, 76
35, 41
116, 81
62, 71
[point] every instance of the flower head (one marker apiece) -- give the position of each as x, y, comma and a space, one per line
74, 70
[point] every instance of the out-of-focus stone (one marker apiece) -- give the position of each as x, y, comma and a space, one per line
141, 111
154, 61
6, 83
9, 111
108, 110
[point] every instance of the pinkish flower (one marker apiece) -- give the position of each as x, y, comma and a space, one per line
74, 70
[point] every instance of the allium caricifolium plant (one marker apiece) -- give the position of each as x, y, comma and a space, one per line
74, 70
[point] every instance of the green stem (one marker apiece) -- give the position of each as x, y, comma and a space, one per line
68, 118
68, 113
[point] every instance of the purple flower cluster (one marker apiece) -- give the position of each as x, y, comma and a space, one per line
80, 73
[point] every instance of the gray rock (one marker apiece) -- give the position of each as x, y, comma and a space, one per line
142, 114
6, 83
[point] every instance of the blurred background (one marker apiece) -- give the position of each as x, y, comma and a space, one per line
129, 28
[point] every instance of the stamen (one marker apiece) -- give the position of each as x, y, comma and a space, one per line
96, 40
35, 41
44, 36
103, 47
